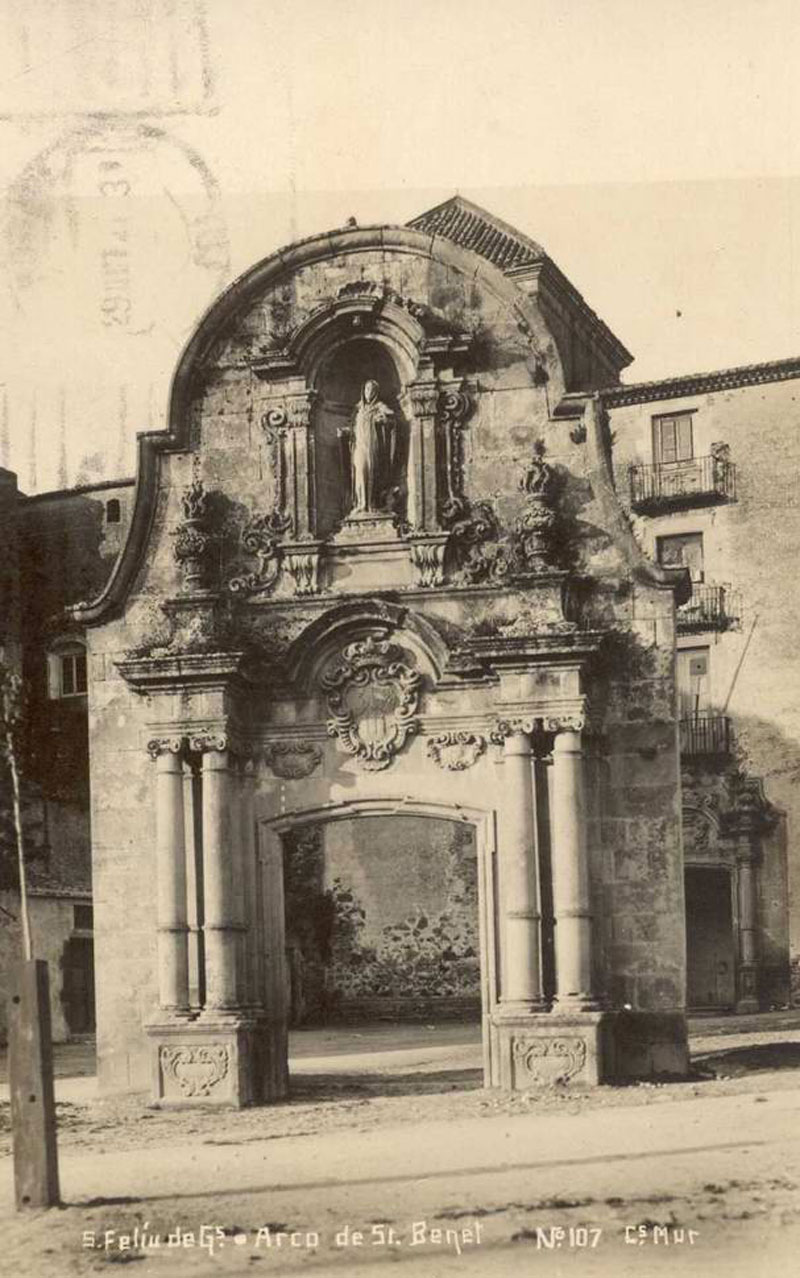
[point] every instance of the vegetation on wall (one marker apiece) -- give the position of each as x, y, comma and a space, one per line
337, 959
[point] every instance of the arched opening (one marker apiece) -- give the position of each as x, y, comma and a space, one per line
385, 954
339, 383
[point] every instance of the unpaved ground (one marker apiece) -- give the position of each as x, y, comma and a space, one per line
448, 1086
383, 1147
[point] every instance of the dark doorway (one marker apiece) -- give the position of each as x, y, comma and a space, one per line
77, 990
710, 952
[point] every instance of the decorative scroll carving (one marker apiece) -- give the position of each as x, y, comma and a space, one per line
454, 406
275, 425
261, 538
456, 751
427, 558
196, 1071
543, 1061
292, 760
210, 739
485, 552
479, 546
165, 745
372, 698
193, 537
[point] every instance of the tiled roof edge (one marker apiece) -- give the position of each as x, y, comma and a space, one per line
779, 370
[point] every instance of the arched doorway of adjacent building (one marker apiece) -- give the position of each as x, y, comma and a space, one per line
387, 943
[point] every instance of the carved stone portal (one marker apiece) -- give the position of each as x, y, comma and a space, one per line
372, 699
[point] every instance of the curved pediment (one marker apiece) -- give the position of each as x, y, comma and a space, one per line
358, 413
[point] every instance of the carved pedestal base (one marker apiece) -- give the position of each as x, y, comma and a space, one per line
748, 994
538, 1050
229, 1060
368, 526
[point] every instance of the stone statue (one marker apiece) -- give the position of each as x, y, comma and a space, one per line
372, 447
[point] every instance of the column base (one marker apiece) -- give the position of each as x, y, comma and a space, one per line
744, 1006
544, 1049
747, 981
217, 1059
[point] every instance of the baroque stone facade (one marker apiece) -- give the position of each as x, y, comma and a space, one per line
382, 579
371, 575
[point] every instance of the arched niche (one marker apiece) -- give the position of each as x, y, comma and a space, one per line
339, 379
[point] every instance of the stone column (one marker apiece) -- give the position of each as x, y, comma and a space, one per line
301, 495
220, 926
521, 969
171, 912
747, 994
422, 515
252, 991
194, 884
572, 907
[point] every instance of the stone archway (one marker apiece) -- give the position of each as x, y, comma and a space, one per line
271, 853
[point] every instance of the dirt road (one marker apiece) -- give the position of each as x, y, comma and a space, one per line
398, 1158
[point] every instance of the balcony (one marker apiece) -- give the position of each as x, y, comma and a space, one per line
705, 735
700, 481
710, 608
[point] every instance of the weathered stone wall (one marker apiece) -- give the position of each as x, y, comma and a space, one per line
123, 862
384, 912
52, 925
751, 544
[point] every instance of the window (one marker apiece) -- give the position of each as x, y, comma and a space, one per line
113, 511
83, 918
66, 670
73, 673
684, 550
693, 681
672, 438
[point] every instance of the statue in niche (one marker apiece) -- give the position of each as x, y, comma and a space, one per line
371, 439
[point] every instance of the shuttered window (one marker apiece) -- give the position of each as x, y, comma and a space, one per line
672, 438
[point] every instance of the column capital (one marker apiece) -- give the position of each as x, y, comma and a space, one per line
504, 729
572, 717
169, 746
424, 397
219, 740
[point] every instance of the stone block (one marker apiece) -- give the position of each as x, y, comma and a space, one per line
650, 1045
550, 1049
220, 1060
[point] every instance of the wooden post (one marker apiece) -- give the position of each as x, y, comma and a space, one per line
30, 1072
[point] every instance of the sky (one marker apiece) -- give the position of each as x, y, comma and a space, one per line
152, 150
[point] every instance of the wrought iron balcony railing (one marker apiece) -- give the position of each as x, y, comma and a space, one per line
700, 481
704, 735
710, 608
